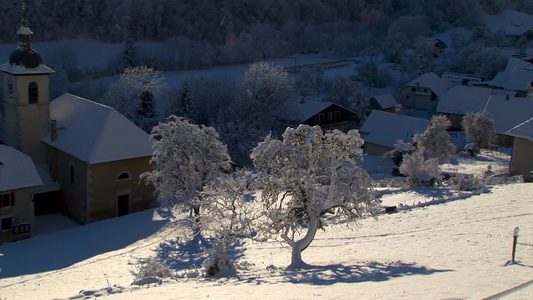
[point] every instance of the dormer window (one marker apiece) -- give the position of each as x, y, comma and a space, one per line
33, 93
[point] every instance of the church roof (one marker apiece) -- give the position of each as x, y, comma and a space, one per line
95, 133
17, 170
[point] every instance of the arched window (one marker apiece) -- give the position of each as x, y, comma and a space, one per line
33, 93
123, 176
72, 174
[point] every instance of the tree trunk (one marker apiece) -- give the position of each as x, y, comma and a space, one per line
301, 245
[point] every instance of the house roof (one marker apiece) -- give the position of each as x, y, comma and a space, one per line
307, 109
511, 22
463, 99
17, 170
383, 128
432, 81
517, 76
508, 112
95, 133
386, 100
523, 130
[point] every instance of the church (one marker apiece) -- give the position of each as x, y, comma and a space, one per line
68, 155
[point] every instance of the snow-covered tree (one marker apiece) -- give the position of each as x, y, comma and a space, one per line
134, 95
270, 92
479, 129
401, 149
227, 216
420, 171
435, 141
348, 93
307, 179
311, 81
187, 158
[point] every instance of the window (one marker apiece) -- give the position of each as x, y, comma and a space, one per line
71, 174
319, 117
7, 223
413, 89
7, 200
33, 93
330, 116
123, 176
337, 115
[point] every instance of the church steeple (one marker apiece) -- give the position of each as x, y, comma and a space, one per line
25, 55
24, 33
26, 96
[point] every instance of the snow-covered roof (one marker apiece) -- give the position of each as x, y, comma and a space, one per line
386, 100
507, 111
306, 109
95, 133
17, 170
432, 81
511, 22
21, 70
463, 99
384, 128
517, 76
49, 185
523, 130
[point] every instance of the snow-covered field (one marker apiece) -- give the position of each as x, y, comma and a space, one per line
440, 244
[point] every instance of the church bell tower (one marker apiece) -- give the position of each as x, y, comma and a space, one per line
26, 97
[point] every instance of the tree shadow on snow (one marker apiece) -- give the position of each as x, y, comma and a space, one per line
185, 253
371, 271
58, 250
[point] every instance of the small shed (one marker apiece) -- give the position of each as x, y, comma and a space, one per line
384, 102
521, 157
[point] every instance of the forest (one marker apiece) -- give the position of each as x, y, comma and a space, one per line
209, 32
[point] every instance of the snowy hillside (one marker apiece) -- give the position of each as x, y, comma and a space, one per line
440, 244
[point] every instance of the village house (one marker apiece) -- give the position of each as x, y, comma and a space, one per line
423, 92
382, 130
18, 177
513, 24
521, 157
327, 115
461, 100
384, 102
88, 154
516, 79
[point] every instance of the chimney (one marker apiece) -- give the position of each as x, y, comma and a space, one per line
53, 130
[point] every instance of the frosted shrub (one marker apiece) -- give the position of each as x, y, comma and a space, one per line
152, 269
217, 263
420, 171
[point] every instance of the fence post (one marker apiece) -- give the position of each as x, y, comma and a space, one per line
515, 239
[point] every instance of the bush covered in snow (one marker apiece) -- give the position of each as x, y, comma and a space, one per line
420, 171
151, 269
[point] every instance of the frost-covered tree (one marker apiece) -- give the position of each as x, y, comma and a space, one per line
187, 157
307, 179
227, 217
420, 171
479, 129
134, 95
311, 81
270, 92
435, 141
397, 154
347, 93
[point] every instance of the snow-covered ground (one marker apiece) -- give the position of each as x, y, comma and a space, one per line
440, 244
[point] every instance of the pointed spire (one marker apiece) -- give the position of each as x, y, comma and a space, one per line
24, 32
